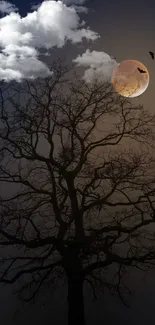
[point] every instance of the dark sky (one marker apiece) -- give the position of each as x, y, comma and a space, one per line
127, 30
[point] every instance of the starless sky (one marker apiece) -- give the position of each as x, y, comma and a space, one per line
123, 29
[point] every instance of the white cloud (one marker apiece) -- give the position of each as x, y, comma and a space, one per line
7, 7
18, 62
52, 24
100, 65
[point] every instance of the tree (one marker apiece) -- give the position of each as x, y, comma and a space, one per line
82, 197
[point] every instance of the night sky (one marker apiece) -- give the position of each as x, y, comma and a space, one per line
127, 31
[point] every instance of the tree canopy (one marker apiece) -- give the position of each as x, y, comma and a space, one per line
77, 185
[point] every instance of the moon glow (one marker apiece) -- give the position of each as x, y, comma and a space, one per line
128, 81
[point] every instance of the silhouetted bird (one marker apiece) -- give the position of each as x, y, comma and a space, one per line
141, 71
152, 55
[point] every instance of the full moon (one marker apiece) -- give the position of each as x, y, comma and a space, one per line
128, 81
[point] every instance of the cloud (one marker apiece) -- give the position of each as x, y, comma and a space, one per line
50, 25
80, 9
7, 7
18, 62
77, 2
77, 5
100, 65
35, 6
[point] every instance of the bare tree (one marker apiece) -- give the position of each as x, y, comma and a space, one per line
77, 186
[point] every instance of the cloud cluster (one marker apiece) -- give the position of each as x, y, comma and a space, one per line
53, 23
100, 65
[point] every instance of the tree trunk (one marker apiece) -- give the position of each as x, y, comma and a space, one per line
75, 300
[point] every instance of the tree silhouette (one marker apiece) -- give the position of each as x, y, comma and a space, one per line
79, 158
